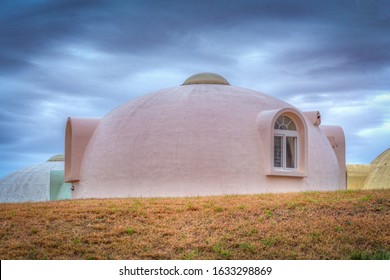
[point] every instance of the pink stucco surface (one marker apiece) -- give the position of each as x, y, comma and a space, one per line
78, 133
200, 139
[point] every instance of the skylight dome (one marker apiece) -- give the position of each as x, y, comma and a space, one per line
206, 78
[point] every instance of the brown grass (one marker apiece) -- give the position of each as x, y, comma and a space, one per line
313, 225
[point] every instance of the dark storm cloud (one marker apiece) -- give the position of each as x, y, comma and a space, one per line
141, 27
83, 58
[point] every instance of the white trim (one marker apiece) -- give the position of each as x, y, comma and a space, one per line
266, 124
287, 173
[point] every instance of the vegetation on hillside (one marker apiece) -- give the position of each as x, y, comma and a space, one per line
311, 225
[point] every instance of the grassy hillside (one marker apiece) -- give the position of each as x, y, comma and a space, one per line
313, 225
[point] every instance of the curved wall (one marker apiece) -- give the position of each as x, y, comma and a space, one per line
197, 140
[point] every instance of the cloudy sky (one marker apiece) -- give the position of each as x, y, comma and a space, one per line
84, 58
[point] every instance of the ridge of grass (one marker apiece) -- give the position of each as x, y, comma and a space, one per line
309, 225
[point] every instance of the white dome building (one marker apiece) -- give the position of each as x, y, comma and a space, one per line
38, 182
204, 137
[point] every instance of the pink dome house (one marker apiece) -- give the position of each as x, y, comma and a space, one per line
204, 137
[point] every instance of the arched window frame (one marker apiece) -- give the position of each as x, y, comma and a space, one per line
265, 121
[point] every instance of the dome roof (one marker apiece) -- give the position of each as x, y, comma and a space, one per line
206, 78
29, 184
180, 141
383, 159
379, 174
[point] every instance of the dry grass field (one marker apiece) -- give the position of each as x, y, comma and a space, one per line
311, 225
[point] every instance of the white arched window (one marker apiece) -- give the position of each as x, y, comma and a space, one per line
285, 143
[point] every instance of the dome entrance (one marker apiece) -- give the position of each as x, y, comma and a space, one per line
206, 78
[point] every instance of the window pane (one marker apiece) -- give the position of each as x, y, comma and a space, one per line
290, 152
291, 125
278, 122
278, 158
284, 123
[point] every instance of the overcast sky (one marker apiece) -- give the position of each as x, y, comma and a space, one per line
84, 58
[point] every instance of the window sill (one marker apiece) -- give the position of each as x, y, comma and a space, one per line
287, 173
